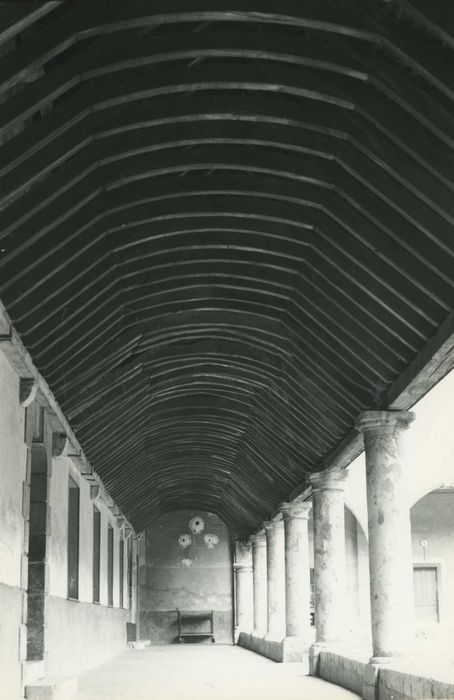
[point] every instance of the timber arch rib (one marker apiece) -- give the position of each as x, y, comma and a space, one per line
226, 229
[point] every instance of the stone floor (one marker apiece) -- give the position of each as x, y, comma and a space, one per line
201, 672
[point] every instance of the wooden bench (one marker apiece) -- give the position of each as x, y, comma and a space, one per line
187, 617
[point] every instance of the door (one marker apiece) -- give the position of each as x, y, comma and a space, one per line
426, 593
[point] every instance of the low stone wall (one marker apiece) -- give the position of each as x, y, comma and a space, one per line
393, 683
344, 671
272, 650
398, 685
80, 635
10, 665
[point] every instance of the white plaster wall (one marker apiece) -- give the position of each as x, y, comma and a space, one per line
429, 452
432, 520
80, 633
429, 441
355, 490
428, 447
12, 475
13, 457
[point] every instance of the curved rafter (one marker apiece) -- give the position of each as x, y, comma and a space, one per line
224, 232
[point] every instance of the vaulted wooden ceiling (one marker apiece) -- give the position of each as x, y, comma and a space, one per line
225, 229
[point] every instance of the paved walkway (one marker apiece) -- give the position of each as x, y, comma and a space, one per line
201, 672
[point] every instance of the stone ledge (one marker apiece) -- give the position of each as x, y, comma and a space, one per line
342, 670
385, 682
400, 685
265, 647
140, 644
33, 671
282, 651
51, 689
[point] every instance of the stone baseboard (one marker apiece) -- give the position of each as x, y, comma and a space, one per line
286, 650
51, 689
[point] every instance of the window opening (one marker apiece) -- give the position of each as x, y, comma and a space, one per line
96, 554
110, 564
73, 539
122, 570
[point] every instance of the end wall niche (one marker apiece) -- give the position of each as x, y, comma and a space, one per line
187, 565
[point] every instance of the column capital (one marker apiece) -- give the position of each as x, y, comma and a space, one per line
329, 480
273, 525
384, 421
258, 540
240, 568
296, 510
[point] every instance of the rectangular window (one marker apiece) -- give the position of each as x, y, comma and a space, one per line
110, 564
122, 569
96, 553
130, 573
73, 539
425, 579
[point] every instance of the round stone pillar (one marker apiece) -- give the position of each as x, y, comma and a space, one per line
243, 591
297, 569
390, 554
259, 584
275, 561
329, 555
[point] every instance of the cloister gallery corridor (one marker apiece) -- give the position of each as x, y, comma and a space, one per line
202, 672
226, 349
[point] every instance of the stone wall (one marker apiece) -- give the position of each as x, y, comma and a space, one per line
179, 568
80, 633
391, 683
72, 634
344, 671
398, 685
12, 476
432, 523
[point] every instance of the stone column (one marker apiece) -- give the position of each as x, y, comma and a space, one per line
275, 561
329, 559
259, 583
297, 581
243, 588
390, 554
297, 569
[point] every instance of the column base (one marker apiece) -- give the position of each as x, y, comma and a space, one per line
381, 660
274, 637
370, 684
314, 657
296, 650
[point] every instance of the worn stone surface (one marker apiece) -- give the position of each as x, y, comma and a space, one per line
398, 685
80, 635
10, 670
270, 648
275, 565
193, 672
390, 562
259, 583
344, 671
297, 581
51, 689
244, 597
13, 563
329, 554
180, 569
